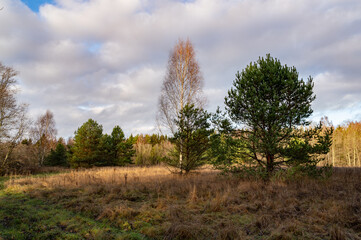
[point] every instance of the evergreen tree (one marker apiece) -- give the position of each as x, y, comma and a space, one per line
226, 150
115, 150
132, 139
57, 157
271, 103
86, 151
191, 140
123, 148
107, 152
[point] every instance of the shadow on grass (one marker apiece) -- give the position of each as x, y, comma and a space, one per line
22, 217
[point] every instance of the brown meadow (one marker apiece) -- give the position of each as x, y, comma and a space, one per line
207, 204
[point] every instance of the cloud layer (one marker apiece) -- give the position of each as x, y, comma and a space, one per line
106, 59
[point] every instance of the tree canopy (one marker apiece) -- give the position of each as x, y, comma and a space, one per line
270, 102
182, 85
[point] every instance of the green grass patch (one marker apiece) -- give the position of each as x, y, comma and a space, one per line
2, 182
22, 217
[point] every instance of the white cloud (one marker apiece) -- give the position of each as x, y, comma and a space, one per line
336, 91
106, 59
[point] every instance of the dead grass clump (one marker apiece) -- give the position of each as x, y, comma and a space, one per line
337, 234
176, 213
193, 195
219, 202
118, 212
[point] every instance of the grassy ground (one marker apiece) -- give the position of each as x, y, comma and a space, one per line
139, 203
24, 217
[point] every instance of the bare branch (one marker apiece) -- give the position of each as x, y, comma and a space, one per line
44, 135
182, 85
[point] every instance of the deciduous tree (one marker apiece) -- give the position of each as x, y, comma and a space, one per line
182, 86
13, 119
44, 135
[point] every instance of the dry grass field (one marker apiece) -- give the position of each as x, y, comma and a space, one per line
151, 203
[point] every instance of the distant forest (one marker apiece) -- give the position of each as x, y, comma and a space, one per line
345, 150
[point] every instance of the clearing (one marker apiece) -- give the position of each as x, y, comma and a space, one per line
151, 203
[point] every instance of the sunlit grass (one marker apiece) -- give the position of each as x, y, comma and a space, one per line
156, 204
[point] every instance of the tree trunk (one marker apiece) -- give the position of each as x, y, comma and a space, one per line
354, 157
181, 161
270, 161
10, 150
348, 159
333, 154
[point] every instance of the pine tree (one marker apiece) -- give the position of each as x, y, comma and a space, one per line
271, 103
191, 140
123, 149
86, 151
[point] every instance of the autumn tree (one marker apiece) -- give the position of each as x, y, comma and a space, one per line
13, 119
150, 149
346, 146
270, 102
44, 135
182, 86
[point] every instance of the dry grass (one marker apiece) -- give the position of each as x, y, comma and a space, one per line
207, 205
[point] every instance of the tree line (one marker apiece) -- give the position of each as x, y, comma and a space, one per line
263, 128
346, 146
89, 147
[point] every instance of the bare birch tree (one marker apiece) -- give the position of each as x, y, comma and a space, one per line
13, 119
182, 86
44, 135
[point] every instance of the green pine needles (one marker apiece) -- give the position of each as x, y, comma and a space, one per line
93, 148
270, 103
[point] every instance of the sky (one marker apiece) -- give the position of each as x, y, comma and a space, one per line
35, 4
106, 59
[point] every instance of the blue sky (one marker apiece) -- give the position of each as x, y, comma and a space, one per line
35, 4
106, 59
